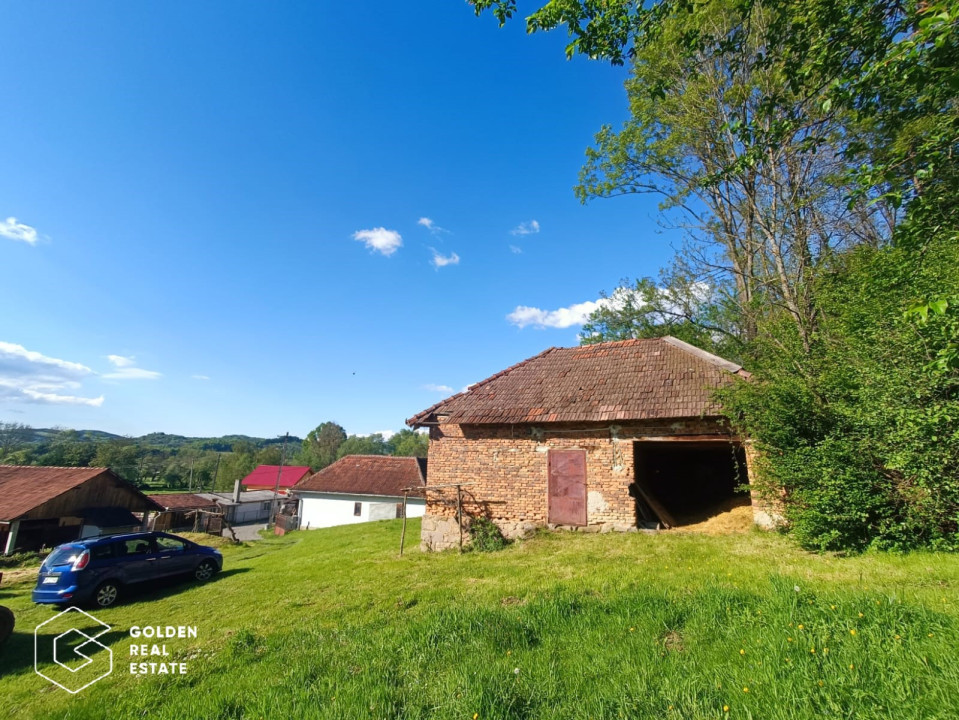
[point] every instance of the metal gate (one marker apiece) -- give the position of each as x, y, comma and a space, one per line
567, 487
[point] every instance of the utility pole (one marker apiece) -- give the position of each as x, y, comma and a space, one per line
192, 460
216, 470
279, 474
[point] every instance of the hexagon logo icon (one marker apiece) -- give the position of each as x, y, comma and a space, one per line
67, 653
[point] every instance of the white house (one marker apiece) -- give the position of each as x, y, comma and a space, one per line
361, 488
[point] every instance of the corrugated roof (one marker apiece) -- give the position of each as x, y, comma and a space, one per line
181, 501
265, 476
644, 379
23, 487
368, 475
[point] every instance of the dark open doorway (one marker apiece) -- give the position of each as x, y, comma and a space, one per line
680, 483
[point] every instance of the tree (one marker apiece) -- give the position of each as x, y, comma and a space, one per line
13, 437
321, 445
363, 445
409, 443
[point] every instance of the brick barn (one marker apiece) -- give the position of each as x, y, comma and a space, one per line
612, 436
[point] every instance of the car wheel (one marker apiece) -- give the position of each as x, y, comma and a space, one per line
204, 571
106, 594
6, 624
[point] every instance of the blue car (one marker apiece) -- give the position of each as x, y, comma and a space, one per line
98, 570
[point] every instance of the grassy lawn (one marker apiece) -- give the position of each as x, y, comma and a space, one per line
331, 624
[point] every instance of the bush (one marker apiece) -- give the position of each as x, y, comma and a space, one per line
486, 535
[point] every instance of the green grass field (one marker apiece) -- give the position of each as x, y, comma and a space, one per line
332, 624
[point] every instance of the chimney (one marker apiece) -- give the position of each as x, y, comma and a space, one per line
236, 491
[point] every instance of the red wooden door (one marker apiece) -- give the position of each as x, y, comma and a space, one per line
567, 487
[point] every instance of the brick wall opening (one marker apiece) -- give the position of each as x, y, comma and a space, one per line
692, 480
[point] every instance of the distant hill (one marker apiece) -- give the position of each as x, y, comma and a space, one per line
224, 443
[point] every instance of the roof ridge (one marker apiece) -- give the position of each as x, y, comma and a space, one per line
702, 354
421, 416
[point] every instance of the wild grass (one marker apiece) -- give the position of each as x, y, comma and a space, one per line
332, 624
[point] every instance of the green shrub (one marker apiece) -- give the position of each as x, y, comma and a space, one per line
486, 536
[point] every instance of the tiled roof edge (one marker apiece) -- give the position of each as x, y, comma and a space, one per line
707, 356
419, 418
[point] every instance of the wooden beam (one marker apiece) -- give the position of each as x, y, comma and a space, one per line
656, 507
12, 537
403, 533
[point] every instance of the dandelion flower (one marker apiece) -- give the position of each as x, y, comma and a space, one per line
742, 652
896, 637
725, 708
825, 651
861, 615
930, 634
820, 683
509, 652
812, 650
851, 667
852, 631
789, 639
832, 607
475, 715
745, 689
632, 629
799, 627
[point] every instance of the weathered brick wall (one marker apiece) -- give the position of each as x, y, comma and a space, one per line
507, 466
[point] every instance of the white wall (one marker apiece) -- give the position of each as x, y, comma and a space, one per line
318, 510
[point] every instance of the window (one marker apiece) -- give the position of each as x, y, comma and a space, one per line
357, 509
168, 544
137, 546
102, 552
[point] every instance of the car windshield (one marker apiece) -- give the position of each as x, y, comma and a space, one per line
64, 555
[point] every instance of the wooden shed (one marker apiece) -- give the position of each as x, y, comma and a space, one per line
47, 506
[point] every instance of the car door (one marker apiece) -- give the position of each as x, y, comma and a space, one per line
135, 558
172, 555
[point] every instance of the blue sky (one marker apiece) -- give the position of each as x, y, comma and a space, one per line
248, 217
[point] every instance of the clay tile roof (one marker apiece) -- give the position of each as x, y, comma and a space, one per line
368, 475
24, 487
645, 379
265, 476
181, 501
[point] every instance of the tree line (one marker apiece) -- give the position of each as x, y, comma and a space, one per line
170, 462
807, 151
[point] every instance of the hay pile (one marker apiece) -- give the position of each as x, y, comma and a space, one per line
731, 516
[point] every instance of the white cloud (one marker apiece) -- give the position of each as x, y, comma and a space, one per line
432, 226
386, 242
126, 369
516, 250
387, 434
433, 387
200, 377
120, 361
14, 230
30, 376
525, 228
576, 314
133, 373
439, 260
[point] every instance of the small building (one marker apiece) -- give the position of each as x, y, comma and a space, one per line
48, 506
612, 436
265, 478
180, 511
242, 508
361, 488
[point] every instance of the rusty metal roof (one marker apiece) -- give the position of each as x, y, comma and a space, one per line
367, 475
644, 379
22, 487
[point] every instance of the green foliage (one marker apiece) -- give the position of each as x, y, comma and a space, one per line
321, 445
409, 443
363, 445
485, 535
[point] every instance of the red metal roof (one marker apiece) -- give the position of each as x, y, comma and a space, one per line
24, 487
644, 379
368, 475
265, 476
181, 501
